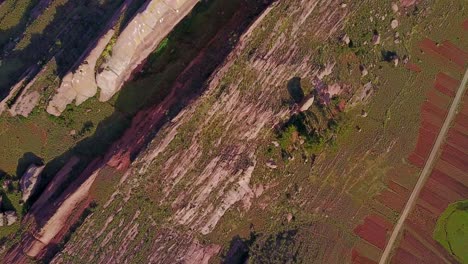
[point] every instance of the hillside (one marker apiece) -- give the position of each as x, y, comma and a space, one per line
232, 131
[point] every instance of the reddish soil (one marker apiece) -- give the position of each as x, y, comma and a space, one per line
394, 197
446, 50
403, 256
413, 67
446, 84
357, 258
448, 181
374, 230
465, 25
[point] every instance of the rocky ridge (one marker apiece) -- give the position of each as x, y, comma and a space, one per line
220, 177
151, 24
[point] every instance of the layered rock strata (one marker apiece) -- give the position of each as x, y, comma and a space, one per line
149, 27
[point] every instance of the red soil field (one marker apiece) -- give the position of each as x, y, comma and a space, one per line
394, 197
458, 140
413, 67
413, 245
453, 184
446, 84
374, 230
465, 25
357, 258
403, 256
445, 50
448, 181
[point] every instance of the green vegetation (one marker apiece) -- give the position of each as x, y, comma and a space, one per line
452, 230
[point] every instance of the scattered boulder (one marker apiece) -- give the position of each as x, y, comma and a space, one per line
363, 113
307, 103
345, 39
2, 219
11, 217
394, 24
271, 164
29, 180
289, 217
394, 7
396, 60
376, 38
405, 59
275, 143
327, 70
72, 132
7, 184
363, 70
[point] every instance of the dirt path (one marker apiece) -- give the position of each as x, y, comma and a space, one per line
426, 170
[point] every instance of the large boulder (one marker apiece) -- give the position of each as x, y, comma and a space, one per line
29, 181
79, 85
11, 217
142, 35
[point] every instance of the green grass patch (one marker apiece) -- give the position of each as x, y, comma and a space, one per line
452, 230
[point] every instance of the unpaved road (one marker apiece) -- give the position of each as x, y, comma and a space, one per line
426, 170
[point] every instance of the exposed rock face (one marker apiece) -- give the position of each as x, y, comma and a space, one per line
29, 180
8, 218
149, 27
27, 99
214, 172
79, 85
308, 102
215, 176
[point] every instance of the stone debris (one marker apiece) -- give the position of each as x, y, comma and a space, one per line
346, 40
307, 103
405, 59
29, 180
363, 69
376, 38
271, 164
289, 217
363, 113
327, 70
394, 24
11, 217
275, 143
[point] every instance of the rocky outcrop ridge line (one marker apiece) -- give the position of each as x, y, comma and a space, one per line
79, 84
149, 27
217, 177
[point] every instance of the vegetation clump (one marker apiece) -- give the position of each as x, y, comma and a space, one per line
452, 230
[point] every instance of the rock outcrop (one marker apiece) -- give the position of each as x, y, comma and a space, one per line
79, 85
202, 178
149, 27
29, 181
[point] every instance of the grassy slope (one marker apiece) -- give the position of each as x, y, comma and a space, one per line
379, 147
452, 230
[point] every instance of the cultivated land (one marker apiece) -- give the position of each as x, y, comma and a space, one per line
204, 156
